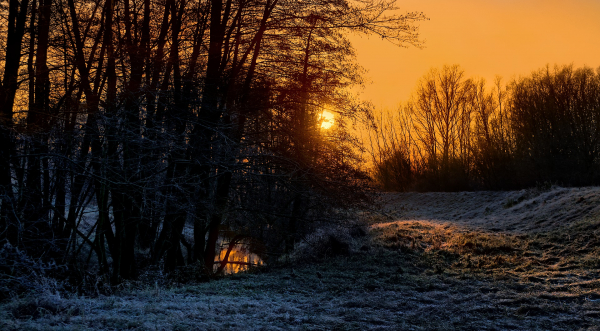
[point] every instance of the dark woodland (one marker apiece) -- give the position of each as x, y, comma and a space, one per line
141, 133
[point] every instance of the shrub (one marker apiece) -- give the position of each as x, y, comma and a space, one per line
327, 242
20, 273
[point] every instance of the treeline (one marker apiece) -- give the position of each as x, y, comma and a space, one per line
136, 132
457, 134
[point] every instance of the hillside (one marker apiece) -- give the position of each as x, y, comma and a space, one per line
526, 260
524, 211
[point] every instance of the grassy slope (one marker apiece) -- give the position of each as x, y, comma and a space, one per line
404, 275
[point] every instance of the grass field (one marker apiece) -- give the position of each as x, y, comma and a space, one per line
399, 275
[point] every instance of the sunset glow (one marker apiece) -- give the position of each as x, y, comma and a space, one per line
239, 260
486, 38
327, 119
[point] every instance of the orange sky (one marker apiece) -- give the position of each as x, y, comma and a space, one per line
486, 38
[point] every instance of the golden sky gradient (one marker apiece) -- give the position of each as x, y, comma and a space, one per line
486, 38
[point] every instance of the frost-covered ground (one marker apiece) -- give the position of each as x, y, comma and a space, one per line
525, 211
527, 260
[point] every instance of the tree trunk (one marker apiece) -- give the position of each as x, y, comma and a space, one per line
17, 14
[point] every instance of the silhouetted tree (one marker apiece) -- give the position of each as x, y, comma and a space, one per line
540, 128
135, 132
555, 119
441, 114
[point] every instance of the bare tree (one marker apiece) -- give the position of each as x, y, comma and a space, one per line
441, 112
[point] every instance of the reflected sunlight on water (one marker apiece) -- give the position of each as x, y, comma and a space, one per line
240, 259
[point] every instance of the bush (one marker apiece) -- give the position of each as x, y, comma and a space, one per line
20, 273
328, 242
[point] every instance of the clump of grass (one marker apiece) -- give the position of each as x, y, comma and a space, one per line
324, 243
510, 202
37, 307
426, 237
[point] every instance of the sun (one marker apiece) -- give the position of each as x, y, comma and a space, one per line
326, 118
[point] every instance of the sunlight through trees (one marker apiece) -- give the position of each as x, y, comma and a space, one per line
133, 133
327, 119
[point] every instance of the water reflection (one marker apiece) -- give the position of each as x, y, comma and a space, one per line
240, 258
